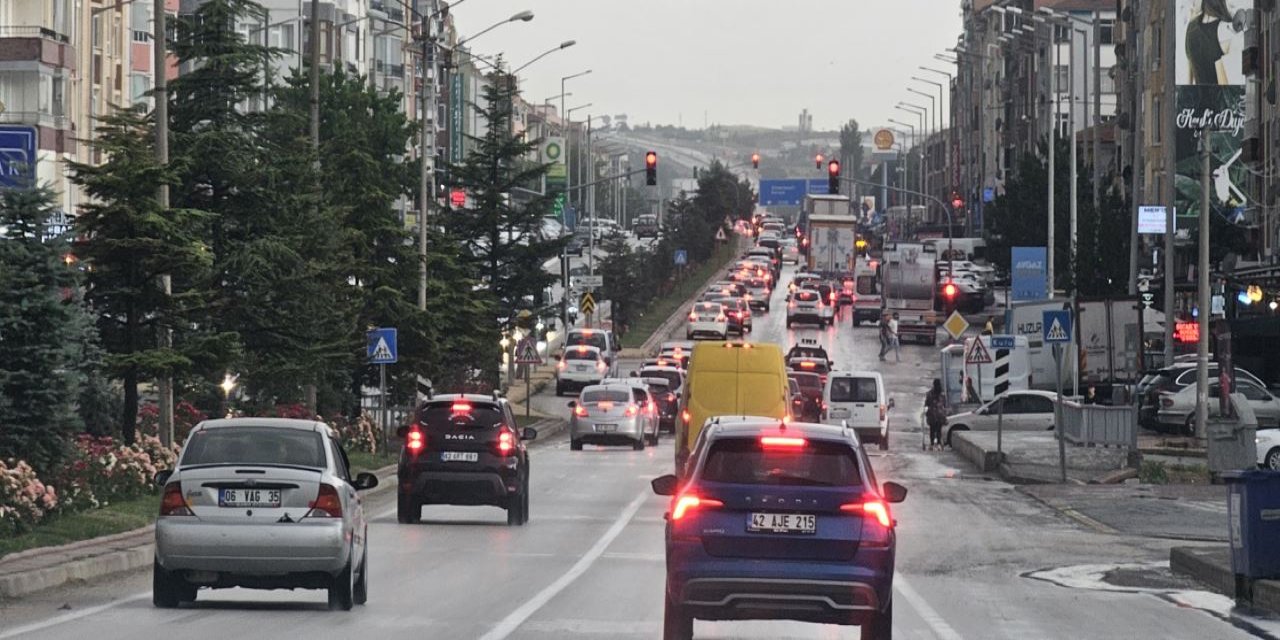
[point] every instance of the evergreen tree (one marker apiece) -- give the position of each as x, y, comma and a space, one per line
131, 242
41, 330
500, 237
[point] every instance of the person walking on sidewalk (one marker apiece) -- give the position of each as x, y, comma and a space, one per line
935, 413
895, 341
886, 339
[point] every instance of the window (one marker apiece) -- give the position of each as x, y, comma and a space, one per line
746, 461
1106, 31
1156, 46
854, 390
1157, 120
1252, 391
339, 460
1061, 79
97, 31
255, 445
286, 37
605, 395
582, 354
139, 85
1036, 404
442, 416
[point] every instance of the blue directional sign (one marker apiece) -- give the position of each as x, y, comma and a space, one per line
1003, 342
1057, 326
382, 348
775, 192
681, 257
988, 194
17, 157
817, 186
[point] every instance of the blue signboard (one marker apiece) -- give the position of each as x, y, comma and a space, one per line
774, 192
17, 156
1003, 342
681, 257
818, 186
1057, 326
988, 194
1029, 273
381, 346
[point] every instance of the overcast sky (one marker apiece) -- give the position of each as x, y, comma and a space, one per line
733, 61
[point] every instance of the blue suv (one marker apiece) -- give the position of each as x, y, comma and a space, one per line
779, 521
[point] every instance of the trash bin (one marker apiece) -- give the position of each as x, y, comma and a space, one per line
1253, 518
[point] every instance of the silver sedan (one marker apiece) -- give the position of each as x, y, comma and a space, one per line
612, 414
262, 503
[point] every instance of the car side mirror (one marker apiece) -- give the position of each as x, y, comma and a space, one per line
665, 485
402, 430
365, 481
573, 403
162, 477
894, 492
529, 433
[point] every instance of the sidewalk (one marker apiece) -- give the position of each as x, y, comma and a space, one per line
1212, 566
1031, 457
1169, 511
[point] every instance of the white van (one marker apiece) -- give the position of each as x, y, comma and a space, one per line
858, 399
602, 339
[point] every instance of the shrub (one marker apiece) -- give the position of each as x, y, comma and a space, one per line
24, 499
185, 416
359, 434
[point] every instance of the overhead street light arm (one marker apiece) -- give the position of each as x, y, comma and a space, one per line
523, 16
563, 45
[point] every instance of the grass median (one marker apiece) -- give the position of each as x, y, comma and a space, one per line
660, 309
117, 517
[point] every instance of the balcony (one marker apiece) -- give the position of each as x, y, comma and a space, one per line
388, 8
25, 44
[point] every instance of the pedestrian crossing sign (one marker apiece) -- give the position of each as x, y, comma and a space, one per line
527, 352
978, 354
382, 347
1057, 326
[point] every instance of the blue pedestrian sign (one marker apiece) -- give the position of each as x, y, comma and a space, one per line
382, 348
681, 257
17, 156
1003, 342
1057, 327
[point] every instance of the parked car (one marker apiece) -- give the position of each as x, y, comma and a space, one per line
1027, 410
1177, 410
265, 503
1175, 378
1268, 446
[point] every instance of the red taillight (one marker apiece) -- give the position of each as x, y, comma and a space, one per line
327, 503
632, 410
883, 409
808, 365
671, 397
832, 297
693, 317
605, 406
873, 510
461, 406
601, 366
684, 415
415, 440
172, 503
506, 443
580, 410
561, 365
782, 442
653, 408
687, 503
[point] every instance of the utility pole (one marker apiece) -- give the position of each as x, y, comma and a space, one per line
1053, 142
1071, 131
426, 179
160, 68
315, 79
1097, 113
1169, 193
1202, 293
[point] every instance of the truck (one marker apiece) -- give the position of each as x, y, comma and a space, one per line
1103, 351
908, 284
831, 243
820, 205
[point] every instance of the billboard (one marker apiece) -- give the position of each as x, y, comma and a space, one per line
552, 152
1210, 102
1029, 273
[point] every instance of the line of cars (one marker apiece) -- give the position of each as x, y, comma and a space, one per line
727, 307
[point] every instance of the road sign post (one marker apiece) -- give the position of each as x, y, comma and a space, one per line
955, 325
587, 305
527, 355
1057, 332
381, 348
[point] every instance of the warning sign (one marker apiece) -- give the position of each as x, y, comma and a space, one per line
955, 325
978, 354
588, 304
720, 236
527, 352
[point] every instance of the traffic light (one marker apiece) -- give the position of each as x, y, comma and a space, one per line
949, 293
833, 177
755, 161
817, 161
957, 202
651, 168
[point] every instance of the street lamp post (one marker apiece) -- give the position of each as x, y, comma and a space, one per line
930, 119
913, 138
564, 126
922, 115
563, 45
941, 130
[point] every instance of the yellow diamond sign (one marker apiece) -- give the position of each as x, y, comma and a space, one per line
955, 325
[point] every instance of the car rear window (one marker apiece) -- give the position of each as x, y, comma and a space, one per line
747, 461
808, 381
806, 296
867, 285
605, 395
451, 416
672, 377
854, 390
596, 340
574, 354
255, 445
707, 307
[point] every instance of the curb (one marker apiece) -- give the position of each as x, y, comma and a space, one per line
112, 560
1194, 562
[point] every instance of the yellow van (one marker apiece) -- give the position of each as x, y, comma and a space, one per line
730, 379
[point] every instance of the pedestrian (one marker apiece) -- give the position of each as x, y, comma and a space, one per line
935, 413
990, 329
895, 340
885, 339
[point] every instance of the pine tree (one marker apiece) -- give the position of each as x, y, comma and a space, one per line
131, 242
41, 328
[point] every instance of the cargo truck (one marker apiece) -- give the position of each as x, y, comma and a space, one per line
831, 244
908, 284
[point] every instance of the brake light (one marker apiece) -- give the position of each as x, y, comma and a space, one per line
653, 408
173, 504
631, 410
882, 412
832, 297
684, 415
693, 317
600, 365
582, 349
561, 365
687, 503
505, 443
782, 442
415, 440
580, 410
671, 397
461, 406
808, 365
327, 503
873, 510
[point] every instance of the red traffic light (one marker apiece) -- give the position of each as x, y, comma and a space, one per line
755, 161
949, 290
833, 167
651, 168
817, 161
651, 159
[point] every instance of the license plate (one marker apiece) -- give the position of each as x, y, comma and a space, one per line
839, 413
260, 498
783, 523
606, 428
459, 456
580, 367
706, 318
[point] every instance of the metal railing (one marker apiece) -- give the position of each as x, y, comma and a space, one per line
1093, 425
12, 31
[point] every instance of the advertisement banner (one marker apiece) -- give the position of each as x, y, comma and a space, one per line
457, 103
1210, 101
1152, 219
1030, 272
552, 153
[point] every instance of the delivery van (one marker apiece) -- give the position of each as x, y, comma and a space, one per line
730, 379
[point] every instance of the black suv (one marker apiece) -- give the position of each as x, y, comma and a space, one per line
464, 449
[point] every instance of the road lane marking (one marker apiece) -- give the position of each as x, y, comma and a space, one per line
928, 614
71, 617
513, 621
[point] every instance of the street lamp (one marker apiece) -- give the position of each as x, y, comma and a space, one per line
564, 254
946, 149
523, 16
563, 45
908, 126
926, 121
